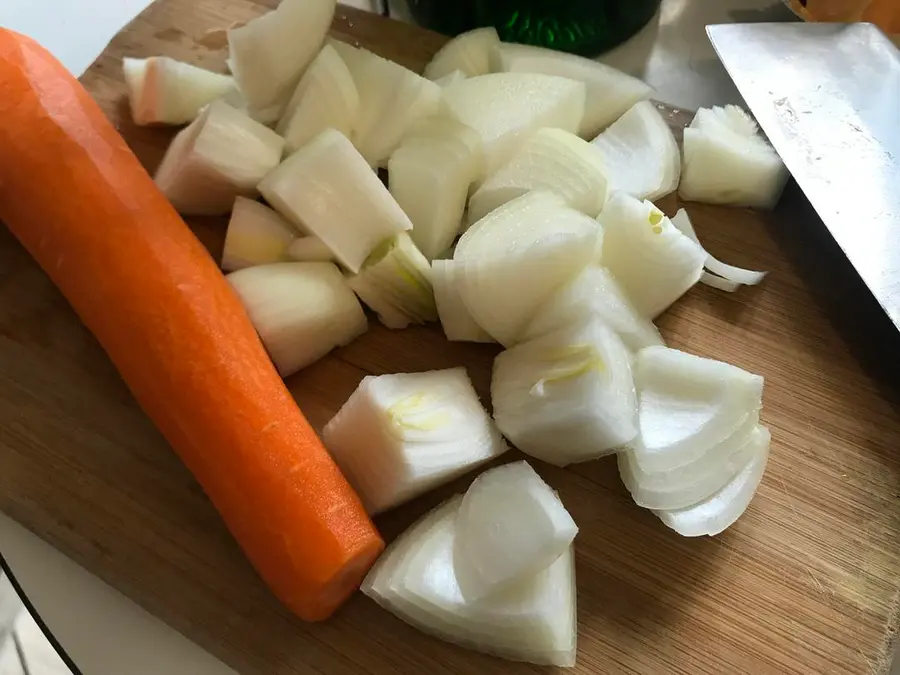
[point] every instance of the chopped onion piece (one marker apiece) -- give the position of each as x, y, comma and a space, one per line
687, 405
726, 161
552, 160
511, 261
256, 236
269, 54
686, 485
594, 292
640, 153
719, 512
654, 262
301, 310
458, 324
325, 97
430, 175
566, 397
505, 108
395, 281
223, 154
165, 91
610, 92
534, 621
510, 526
391, 99
309, 249
729, 278
450, 78
468, 53
327, 188
399, 436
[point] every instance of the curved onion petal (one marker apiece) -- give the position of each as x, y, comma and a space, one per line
566, 397
256, 235
687, 405
399, 436
309, 249
610, 92
551, 160
458, 324
719, 512
450, 78
654, 262
468, 53
640, 153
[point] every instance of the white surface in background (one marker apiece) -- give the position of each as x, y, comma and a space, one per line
103, 631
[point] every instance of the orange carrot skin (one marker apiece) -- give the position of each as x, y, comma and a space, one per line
79, 200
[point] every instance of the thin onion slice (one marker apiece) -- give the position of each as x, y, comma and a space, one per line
610, 92
256, 235
727, 277
328, 189
692, 483
640, 153
510, 526
458, 324
566, 397
594, 292
722, 510
395, 282
552, 160
535, 621
399, 436
468, 53
505, 108
687, 405
301, 310
308, 249
325, 97
512, 260
654, 262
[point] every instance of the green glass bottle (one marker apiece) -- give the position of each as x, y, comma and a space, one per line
586, 27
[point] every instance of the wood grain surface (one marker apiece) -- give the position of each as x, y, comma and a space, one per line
805, 582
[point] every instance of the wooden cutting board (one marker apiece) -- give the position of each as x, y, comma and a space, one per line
805, 582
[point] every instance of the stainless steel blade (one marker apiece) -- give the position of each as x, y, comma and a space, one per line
828, 97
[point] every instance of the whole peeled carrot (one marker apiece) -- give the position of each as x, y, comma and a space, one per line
78, 199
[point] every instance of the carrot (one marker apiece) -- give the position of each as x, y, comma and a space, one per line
78, 199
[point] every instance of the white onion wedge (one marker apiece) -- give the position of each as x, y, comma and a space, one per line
511, 261
654, 262
566, 397
722, 510
165, 91
610, 92
535, 621
458, 324
399, 436
504, 108
687, 405
269, 54
510, 526
223, 154
692, 483
727, 161
727, 277
395, 282
256, 235
301, 310
640, 153
327, 188
552, 160
308, 249
430, 175
468, 53
325, 97
450, 78
391, 99
594, 293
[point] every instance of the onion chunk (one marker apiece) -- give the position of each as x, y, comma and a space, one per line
458, 324
399, 436
510, 526
256, 235
308, 249
568, 396
468, 53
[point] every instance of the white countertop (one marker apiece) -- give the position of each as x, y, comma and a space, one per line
102, 630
